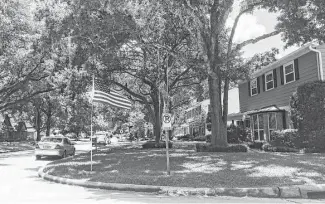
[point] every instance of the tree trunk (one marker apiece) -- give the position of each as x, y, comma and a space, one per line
38, 124
156, 116
48, 120
225, 108
219, 135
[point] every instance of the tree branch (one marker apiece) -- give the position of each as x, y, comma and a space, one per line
7, 105
257, 39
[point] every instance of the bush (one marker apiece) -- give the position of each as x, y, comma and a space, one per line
208, 138
270, 148
211, 148
233, 134
255, 145
153, 144
186, 137
307, 111
199, 138
286, 138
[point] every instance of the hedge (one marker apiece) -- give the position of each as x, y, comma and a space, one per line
270, 148
153, 144
287, 138
255, 145
212, 148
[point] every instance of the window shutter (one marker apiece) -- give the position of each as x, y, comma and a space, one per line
275, 78
263, 81
258, 85
296, 69
282, 75
249, 88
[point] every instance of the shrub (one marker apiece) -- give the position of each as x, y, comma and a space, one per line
153, 144
211, 148
255, 145
286, 138
186, 137
307, 111
233, 134
208, 138
199, 138
270, 148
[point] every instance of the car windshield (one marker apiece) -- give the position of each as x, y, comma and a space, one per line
53, 139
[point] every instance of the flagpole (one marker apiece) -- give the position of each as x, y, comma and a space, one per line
91, 125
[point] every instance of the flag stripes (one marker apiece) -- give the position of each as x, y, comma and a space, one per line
103, 94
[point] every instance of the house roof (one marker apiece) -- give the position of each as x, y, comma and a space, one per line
286, 59
273, 108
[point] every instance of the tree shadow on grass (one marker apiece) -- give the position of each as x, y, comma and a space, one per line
204, 169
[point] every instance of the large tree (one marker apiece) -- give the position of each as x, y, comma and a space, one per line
135, 49
23, 64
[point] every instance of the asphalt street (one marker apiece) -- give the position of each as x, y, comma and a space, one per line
19, 183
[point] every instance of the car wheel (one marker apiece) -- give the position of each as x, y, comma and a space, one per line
38, 157
64, 154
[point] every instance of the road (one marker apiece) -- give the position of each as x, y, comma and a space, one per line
19, 183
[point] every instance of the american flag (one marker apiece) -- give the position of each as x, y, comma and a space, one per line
103, 94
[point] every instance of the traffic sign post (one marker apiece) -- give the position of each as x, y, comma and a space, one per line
167, 125
167, 121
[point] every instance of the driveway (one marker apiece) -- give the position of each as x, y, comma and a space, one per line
21, 184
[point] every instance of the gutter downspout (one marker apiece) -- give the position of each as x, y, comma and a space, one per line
319, 63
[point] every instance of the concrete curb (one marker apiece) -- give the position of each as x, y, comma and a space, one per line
298, 191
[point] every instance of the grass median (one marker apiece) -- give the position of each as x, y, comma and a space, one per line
193, 169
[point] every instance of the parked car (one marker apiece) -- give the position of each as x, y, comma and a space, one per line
101, 138
72, 136
54, 146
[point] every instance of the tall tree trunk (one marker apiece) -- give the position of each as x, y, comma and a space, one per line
156, 116
48, 120
38, 123
212, 42
218, 136
225, 108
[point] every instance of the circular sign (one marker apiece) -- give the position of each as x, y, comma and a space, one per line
167, 118
121, 131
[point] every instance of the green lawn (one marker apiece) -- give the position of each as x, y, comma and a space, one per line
192, 169
15, 146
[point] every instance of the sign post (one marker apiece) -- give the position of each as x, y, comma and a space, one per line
167, 125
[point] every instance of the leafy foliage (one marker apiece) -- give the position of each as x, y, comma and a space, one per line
213, 148
307, 109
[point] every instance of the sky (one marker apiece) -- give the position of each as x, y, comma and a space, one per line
250, 26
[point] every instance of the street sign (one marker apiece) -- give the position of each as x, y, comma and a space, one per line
167, 120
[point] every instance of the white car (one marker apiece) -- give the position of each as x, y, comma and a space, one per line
54, 146
101, 138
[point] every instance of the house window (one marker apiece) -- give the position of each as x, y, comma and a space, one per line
247, 123
272, 123
269, 81
258, 127
254, 87
289, 73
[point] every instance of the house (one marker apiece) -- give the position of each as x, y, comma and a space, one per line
196, 115
264, 98
11, 129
